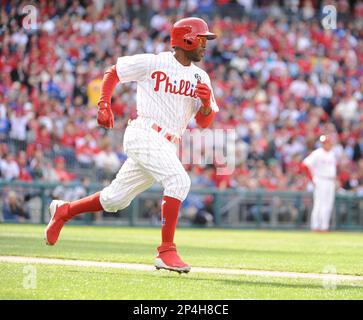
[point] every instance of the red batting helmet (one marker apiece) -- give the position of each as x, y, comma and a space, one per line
185, 32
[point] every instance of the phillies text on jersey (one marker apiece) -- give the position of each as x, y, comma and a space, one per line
165, 88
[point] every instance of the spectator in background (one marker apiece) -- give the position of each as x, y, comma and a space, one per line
86, 150
291, 148
19, 120
24, 174
347, 108
36, 164
107, 162
5, 124
44, 138
62, 174
32, 131
4, 150
68, 143
9, 168
14, 208
74, 192
49, 172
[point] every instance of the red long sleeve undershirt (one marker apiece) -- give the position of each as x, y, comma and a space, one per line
204, 121
109, 82
305, 169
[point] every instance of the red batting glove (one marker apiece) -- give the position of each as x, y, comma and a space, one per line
203, 93
105, 115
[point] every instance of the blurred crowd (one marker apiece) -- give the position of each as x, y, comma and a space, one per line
279, 78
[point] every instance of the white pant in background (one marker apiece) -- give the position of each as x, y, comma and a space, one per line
324, 195
151, 158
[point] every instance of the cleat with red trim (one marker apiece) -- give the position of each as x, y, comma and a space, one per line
169, 259
58, 211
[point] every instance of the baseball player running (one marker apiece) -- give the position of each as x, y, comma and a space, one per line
320, 167
170, 91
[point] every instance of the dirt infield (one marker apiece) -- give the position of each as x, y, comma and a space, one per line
144, 267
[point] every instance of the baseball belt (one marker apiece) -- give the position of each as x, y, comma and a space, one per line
168, 136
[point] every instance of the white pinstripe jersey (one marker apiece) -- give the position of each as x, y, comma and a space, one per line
165, 88
322, 163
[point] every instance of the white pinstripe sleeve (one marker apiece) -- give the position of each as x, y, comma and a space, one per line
133, 68
213, 100
310, 159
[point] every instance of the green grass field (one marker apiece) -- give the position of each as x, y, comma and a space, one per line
236, 249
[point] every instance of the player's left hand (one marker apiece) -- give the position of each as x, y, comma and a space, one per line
204, 93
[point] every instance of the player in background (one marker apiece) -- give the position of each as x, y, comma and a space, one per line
320, 167
171, 90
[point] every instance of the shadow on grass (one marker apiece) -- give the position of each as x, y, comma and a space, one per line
190, 279
133, 247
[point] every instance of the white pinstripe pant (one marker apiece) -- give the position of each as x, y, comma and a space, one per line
151, 158
324, 196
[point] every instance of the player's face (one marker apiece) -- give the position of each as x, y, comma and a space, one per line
328, 146
197, 54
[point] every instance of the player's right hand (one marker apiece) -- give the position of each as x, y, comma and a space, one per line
105, 116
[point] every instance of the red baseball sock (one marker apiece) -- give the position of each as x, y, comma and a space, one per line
169, 218
87, 204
